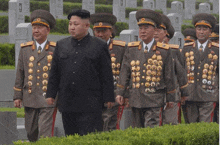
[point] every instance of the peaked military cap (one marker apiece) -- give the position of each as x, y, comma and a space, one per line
189, 34
204, 19
165, 22
170, 31
215, 33
103, 20
147, 16
43, 17
83, 14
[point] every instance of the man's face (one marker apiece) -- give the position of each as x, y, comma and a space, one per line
40, 33
78, 27
146, 33
202, 33
160, 34
103, 33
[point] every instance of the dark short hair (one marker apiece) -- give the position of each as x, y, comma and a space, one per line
83, 14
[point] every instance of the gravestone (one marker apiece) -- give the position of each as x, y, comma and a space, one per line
190, 8
215, 6
129, 35
8, 127
15, 16
204, 8
178, 38
131, 3
177, 7
161, 5
56, 8
89, 5
119, 10
23, 34
148, 4
132, 21
59, 130
26, 7
176, 21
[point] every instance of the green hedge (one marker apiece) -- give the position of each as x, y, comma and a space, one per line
7, 54
183, 134
3, 24
20, 111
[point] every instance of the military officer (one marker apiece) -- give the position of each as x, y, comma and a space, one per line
190, 35
103, 28
30, 87
147, 68
214, 37
202, 64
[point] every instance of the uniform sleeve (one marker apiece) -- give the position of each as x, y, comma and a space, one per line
19, 81
106, 78
54, 75
169, 77
124, 75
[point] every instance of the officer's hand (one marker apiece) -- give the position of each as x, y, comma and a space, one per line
119, 99
126, 102
169, 105
183, 99
17, 103
110, 104
50, 101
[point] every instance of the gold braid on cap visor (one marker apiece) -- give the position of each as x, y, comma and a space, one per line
146, 22
102, 27
203, 23
40, 22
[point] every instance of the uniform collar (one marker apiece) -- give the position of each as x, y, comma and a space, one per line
204, 44
42, 45
149, 45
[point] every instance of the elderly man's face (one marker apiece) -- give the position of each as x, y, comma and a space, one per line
40, 33
78, 27
160, 34
146, 33
202, 33
103, 33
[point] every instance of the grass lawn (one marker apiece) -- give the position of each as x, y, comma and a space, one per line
7, 67
20, 111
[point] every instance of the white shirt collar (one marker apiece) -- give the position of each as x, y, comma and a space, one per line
148, 45
108, 41
204, 44
42, 45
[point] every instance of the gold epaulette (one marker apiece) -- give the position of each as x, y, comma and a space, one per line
118, 42
190, 43
162, 45
53, 43
27, 43
132, 44
174, 46
215, 44
120, 86
17, 89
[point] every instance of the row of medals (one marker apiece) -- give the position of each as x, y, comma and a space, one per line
115, 70
208, 72
152, 71
44, 75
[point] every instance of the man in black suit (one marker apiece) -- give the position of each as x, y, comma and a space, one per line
81, 74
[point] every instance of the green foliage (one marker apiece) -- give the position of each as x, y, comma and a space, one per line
128, 10
61, 26
3, 24
183, 27
120, 26
182, 134
7, 54
20, 111
159, 11
4, 5
217, 17
7, 67
34, 5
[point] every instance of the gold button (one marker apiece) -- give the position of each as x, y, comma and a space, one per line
199, 67
197, 73
38, 63
29, 91
38, 84
38, 70
38, 77
44, 88
197, 80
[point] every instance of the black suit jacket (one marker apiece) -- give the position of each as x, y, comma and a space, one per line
81, 74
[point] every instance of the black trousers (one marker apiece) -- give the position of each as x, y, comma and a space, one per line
82, 123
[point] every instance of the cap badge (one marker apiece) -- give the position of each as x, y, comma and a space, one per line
100, 24
38, 19
142, 19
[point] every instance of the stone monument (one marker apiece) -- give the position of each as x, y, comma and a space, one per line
148, 4
176, 21
119, 10
177, 7
190, 8
89, 5
56, 8
178, 38
161, 5
204, 8
215, 6
131, 3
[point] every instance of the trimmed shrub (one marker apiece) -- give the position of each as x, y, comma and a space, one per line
4, 5
7, 54
183, 27
3, 24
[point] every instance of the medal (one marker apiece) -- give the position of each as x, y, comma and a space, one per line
204, 76
30, 71
209, 82
211, 67
133, 68
137, 79
210, 56
154, 56
206, 65
191, 58
44, 88
148, 78
29, 91
49, 58
209, 77
192, 62
158, 73
154, 79
137, 85
113, 59
117, 72
186, 54
210, 72
204, 81
204, 71
155, 62
29, 83
160, 63
148, 72
159, 68
138, 74
44, 82
154, 67
215, 57
30, 64
153, 73
133, 85
152, 84
113, 65
132, 63
187, 59
133, 74
31, 58
191, 53
45, 68
133, 80
148, 66
138, 68
45, 75
137, 62
118, 65
30, 77
159, 57
158, 79
150, 61
153, 90
147, 84
203, 86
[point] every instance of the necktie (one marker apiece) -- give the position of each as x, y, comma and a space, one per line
146, 49
39, 50
200, 50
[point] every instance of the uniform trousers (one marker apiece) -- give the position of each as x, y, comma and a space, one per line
200, 111
81, 123
109, 116
39, 122
172, 115
144, 117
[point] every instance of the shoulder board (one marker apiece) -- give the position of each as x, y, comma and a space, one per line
215, 44
52, 43
190, 43
175, 46
118, 42
162, 45
27, 43
132, 44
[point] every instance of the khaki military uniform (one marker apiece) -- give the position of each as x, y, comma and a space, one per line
173, 115
203, 76
31, 86
150, 77
116, 50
